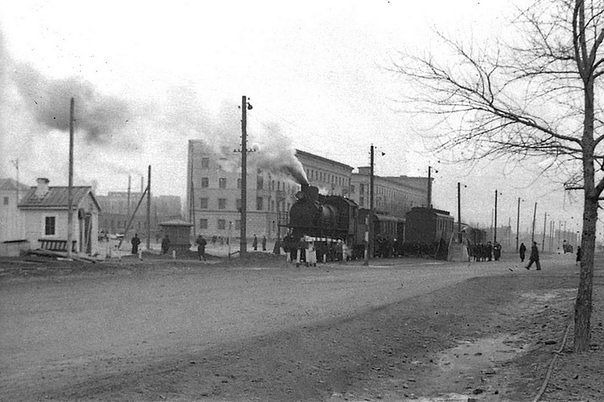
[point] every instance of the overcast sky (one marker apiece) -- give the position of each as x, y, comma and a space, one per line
171, 71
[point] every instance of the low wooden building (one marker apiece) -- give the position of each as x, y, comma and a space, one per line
43, 212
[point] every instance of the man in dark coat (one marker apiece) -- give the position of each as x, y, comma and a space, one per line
522, 251
496, 251
489, 251
201, 247
135, 242
263, 243
534, 257
165, 244
255, 243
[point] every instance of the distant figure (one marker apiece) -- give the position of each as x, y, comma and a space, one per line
579, 255
255, 243
522, 251
135, 242
489, 251
165, 244
534, 257
496, 251
263, 243
201, 247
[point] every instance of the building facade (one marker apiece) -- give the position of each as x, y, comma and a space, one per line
214, 192
11, 192
393, 195
44, 216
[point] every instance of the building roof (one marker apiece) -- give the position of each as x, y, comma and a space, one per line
11, 184
56, 198
323, 159
175, 222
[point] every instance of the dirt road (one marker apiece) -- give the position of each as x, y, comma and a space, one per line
58, 333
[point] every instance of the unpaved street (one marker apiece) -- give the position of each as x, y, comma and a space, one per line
58, 332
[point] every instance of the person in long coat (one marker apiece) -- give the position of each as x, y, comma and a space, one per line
263, 243
165, 245
255, 243
135, 242
534, 257
201, 247
522, 251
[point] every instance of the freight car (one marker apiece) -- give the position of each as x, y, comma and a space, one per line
428, 232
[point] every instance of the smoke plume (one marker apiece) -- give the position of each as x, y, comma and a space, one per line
98, 115
276, 154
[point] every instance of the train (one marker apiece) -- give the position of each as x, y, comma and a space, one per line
329, 220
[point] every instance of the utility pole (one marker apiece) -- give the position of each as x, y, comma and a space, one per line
245, 106
533, 230
429, 186
544, 230
459, 211
192, 189
149, 208
518, 224
128, 207
70, 184
495, 226
370, 215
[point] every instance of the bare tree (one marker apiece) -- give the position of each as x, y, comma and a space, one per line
532, 94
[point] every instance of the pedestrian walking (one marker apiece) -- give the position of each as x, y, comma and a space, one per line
255, 243
534, 257
263, 243
135, 242
522, 251
201, 247
496, 251
579, 255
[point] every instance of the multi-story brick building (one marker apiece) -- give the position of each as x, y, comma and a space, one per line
393, 195
214, 191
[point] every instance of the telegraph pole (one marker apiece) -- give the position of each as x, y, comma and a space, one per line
370, 215
70, 184
518, 224
149, 208
544, 230
245, 106
533, 230
459, 211
128, 207
495, 226
429, 186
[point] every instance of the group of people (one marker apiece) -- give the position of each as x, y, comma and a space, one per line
485, 252
533, 258
255, 243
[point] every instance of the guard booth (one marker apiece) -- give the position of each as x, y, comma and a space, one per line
179, 233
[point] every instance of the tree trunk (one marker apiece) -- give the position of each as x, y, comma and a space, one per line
583, 304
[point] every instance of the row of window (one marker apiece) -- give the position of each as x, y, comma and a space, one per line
325, 177
222, 183
222, 224
222, 203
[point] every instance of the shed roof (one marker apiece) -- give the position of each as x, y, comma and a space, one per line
175, 222
55, 198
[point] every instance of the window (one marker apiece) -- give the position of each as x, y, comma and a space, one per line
238, 204
260, 183
203, 223
259, 203
49, 225
222, 182
205, 163
361, 188
352, 189
237, 225
221, 223
205, 182
5, 200
278, 186
203, 203
272, 205
362, 201
222, 203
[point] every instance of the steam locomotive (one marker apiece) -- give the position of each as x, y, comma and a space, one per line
334, 219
